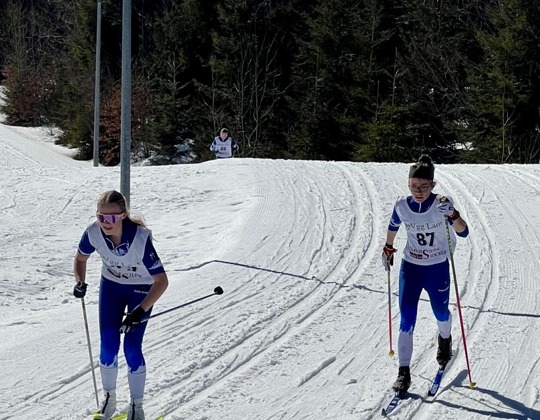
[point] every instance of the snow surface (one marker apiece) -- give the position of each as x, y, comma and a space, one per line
301, 331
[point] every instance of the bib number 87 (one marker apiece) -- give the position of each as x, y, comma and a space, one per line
425, 238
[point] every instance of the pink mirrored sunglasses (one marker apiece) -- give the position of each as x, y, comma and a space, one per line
109, 218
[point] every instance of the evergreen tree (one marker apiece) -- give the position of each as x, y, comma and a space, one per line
427, 79
343, 80
176, 67
503, 125
249, 68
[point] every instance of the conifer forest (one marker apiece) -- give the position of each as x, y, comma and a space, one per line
363, 81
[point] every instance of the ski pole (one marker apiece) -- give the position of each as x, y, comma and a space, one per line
471, 383
90, 350
217, 291
391, 352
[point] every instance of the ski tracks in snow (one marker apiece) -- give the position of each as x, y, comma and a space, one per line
301, 330
325, 241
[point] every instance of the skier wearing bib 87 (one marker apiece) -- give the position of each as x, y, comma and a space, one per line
132, 277
425, 263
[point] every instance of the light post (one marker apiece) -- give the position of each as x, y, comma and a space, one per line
125, 127
97, 77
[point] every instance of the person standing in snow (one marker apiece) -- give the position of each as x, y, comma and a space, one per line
132, 278
223, 145
425, 263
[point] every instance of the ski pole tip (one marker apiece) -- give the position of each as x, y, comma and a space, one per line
472, 384
218, 291
391, 353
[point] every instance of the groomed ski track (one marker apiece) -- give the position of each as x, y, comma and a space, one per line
301, 330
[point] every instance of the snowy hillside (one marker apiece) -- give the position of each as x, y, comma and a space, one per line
301, 331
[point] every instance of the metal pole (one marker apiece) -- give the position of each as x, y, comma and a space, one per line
97, 78
90, 350
125, 128
391, 351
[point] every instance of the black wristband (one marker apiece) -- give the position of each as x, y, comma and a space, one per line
455, 215
387, 245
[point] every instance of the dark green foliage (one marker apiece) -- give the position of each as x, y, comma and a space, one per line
250, 73
369, 80
176, 67
503, 93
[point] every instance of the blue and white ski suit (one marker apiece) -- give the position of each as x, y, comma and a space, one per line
223, 148
126, 278
424, 266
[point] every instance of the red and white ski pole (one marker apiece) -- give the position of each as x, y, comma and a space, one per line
472, 384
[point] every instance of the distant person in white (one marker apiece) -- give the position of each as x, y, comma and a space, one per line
223, 145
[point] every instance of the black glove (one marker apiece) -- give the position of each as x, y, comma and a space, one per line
80, 290
132, 319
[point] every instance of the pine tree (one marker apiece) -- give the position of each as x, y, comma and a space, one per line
175, 67
249, 65
502, 88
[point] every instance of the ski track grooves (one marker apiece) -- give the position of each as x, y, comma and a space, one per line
301, 330
301, 310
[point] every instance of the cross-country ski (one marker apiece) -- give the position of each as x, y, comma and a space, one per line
436, 383
394, 402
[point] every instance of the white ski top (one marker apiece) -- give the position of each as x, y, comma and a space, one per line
223, 148
128, 268
427, 243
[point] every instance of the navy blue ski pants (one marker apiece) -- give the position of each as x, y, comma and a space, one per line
114, 298
413, 278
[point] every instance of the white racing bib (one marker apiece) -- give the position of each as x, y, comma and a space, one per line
223, 148
427, 242
128, 268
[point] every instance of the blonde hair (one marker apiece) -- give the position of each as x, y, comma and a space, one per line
115, 197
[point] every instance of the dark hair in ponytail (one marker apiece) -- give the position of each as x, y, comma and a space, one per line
423, 169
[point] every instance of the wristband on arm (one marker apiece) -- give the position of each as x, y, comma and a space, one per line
454, 216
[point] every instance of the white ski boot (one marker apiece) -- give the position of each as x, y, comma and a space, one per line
108, 406
135, 411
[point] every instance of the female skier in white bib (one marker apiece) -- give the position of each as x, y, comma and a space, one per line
132, 279
425, 263
223, 145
